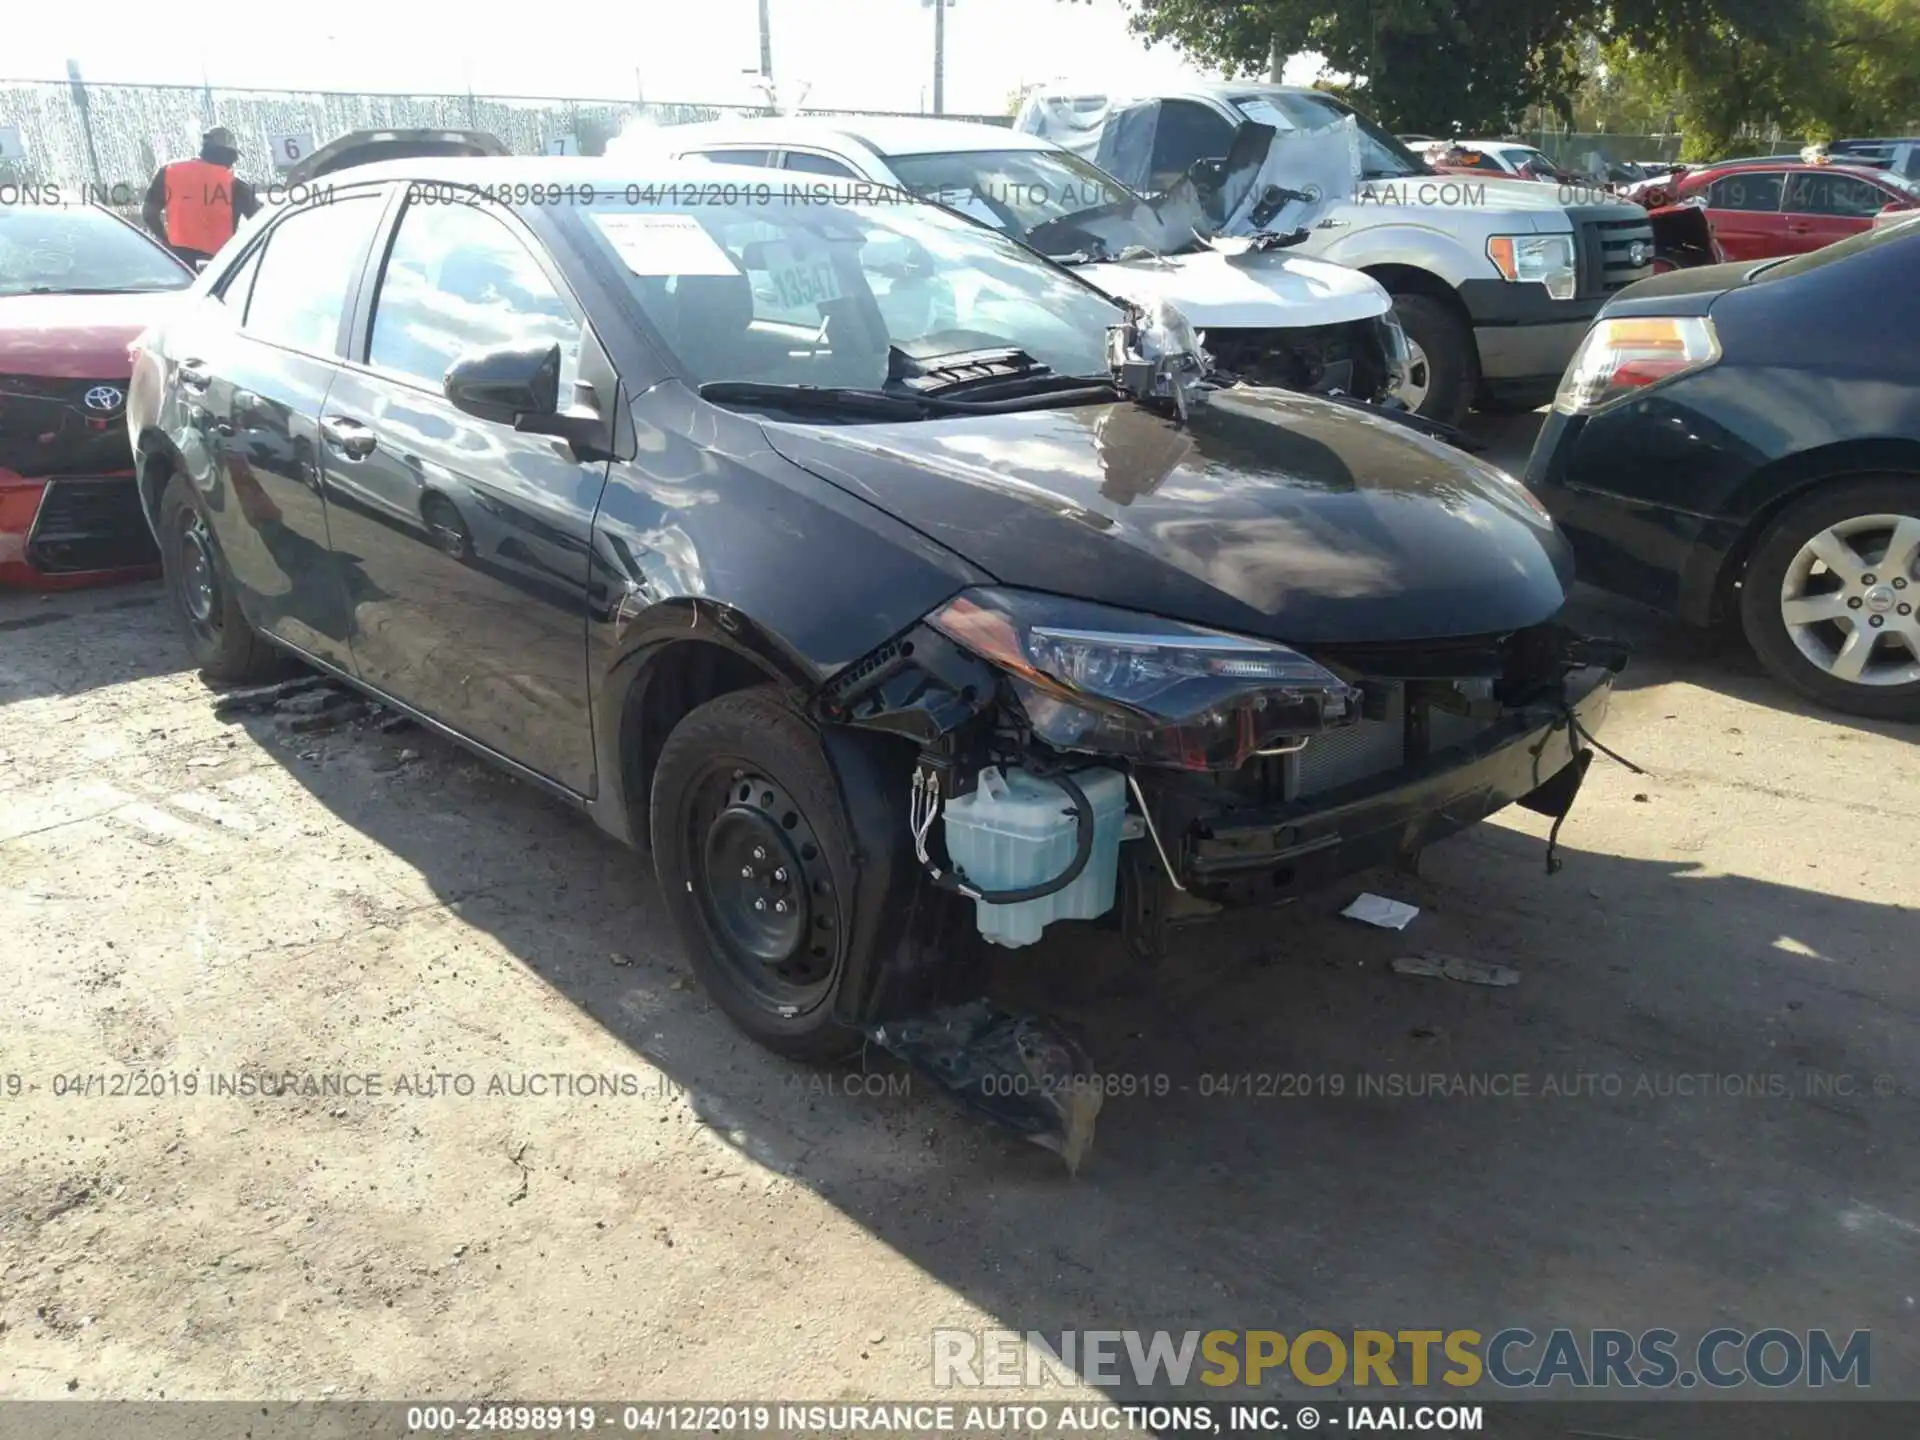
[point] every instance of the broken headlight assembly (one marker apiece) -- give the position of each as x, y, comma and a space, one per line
1102, 681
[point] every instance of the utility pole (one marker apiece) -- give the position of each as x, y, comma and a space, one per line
939, 54
77, 88
766, 40
1276, 62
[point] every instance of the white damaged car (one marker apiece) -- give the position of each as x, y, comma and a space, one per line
1270, 316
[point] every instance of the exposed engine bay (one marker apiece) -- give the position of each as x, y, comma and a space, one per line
1357, 358
1230, 772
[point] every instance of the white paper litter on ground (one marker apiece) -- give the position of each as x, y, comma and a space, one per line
1379, 910
1456, 967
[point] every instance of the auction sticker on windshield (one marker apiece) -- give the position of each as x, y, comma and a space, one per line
805, 278
664, 244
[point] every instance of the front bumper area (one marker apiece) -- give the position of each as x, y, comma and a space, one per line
1266, 853
1525, 337
67, 531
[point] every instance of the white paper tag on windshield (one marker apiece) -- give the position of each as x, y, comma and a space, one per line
664, 245
1261, 112
802, 279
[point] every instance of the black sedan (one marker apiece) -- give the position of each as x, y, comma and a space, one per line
884, 579
1745, 439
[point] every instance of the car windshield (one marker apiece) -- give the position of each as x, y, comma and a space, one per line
46, 249
1382, 156
817, 283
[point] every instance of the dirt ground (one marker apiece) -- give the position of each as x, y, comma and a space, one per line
183, 897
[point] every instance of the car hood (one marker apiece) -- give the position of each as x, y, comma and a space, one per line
1493, 195
1238, 288
1268, 513
76, 337
1682, 292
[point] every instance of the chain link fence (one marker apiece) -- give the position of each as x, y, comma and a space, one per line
108, 140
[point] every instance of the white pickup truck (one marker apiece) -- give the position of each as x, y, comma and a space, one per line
1274, 316
1494, 280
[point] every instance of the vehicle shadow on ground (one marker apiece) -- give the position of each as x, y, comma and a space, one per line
70, 642
1694, 1101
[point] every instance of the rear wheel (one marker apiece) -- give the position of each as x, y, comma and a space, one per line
756, 868
1441, 368
222, 643
1829, 599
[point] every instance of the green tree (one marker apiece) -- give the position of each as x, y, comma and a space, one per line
1482, 65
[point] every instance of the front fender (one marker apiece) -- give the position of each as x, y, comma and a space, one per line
709, 535
1407, 242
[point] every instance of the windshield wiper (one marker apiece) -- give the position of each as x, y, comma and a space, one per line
877, 404
1032, 393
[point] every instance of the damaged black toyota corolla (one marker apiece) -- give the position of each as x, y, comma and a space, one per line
886, 580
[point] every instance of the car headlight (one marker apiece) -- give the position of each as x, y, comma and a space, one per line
1621, 356
1112, 682
1547, 259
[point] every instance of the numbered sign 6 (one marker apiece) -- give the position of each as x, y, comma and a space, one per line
288, 150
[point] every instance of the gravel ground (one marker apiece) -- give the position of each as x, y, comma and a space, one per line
182, 896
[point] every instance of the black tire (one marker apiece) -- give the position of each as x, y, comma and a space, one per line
1767, 572
222, 643
1453, 369
743, 784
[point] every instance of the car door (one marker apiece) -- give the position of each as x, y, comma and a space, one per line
1743, 207
251, 369
464, 543
1824, 206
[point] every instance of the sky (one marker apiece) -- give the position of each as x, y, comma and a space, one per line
854, 54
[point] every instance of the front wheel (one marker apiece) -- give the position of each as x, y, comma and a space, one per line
756, 867
200, 586
1442, 368
1828, 602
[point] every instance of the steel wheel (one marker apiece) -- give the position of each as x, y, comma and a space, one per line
764, 889
199, 585
1847, 600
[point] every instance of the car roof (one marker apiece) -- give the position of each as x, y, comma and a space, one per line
882, 134
1796, 165
549, 170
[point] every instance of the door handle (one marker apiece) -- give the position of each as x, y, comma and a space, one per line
193, 376
349, 437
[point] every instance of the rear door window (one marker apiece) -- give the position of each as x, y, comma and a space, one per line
1837, 195
458, 279
760, 158
818, 165
303, 278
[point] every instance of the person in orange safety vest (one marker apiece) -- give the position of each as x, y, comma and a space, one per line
194, 205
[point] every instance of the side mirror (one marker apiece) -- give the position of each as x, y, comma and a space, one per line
506, 383
519, 385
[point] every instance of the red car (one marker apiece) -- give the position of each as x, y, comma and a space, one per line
77, 285
1762, 209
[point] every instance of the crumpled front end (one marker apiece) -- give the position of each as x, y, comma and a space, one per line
1079, 763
